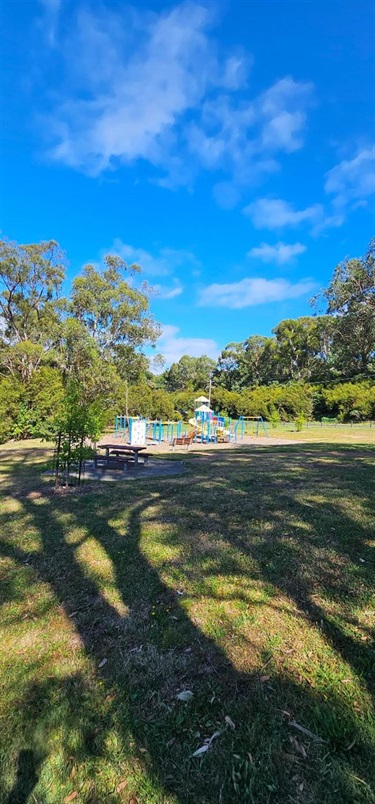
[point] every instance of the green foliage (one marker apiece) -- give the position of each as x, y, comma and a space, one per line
350, 298
45, 393
21, 359
11, 400
97, 345
253, 362
34, 414
276, 402
114, 312
230, 401
76, 420
30, 306
191, 373
341, 400
94, 339
26, 423
299, 423
151, 402
274, 416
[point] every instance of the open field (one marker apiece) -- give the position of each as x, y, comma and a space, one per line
248, 581
314, 432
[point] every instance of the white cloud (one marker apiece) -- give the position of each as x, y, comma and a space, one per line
280, 253
49, 21
251, 291
155, 87
165, 292
276, 214
284, 108
244, 137
161, 263
173, 346
352, 180
132, 101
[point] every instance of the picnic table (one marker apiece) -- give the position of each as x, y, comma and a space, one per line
121, 451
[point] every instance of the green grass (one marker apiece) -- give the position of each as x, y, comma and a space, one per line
314, 432
273, 552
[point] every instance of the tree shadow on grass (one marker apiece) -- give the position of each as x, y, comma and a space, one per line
26, 778
154, 649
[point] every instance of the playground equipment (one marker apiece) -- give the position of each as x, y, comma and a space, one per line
155, 430
204, 428
259, 423
211, 427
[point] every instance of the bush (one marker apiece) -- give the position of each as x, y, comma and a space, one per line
11, 396
274, 417
277, 402
151, 403
342, 400
230, 401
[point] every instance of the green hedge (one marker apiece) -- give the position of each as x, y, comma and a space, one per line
27, 410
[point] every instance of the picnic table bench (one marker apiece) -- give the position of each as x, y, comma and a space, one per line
182, 441
124, 454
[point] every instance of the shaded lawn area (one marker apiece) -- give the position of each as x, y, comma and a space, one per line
248, 581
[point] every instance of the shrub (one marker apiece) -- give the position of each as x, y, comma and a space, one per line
11, 396
342, 400
274, 417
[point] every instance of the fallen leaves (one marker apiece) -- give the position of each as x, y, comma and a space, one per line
306, 731
298, 746
229, 722
70, 797
185, 695
121, 786
207, 744
201, 750
102, 663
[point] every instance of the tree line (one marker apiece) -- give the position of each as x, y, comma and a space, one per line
335, 346
86, 347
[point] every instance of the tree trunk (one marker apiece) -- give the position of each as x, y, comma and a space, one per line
57, 461
80, 461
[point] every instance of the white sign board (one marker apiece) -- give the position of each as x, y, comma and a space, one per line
138, 434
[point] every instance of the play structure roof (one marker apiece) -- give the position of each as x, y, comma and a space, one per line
202, 399
203, 409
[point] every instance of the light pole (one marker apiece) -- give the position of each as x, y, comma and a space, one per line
209, 391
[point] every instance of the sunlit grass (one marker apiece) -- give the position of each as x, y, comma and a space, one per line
249, 581
358, 433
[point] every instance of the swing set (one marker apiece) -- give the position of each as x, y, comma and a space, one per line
259, 424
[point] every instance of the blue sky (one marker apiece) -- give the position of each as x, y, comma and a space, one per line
226, 147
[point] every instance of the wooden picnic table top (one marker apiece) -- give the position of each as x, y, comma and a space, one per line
121, 447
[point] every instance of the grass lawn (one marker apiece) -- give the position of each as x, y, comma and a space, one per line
248, 581
314, 432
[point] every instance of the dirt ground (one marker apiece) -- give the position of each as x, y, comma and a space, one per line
248, 441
